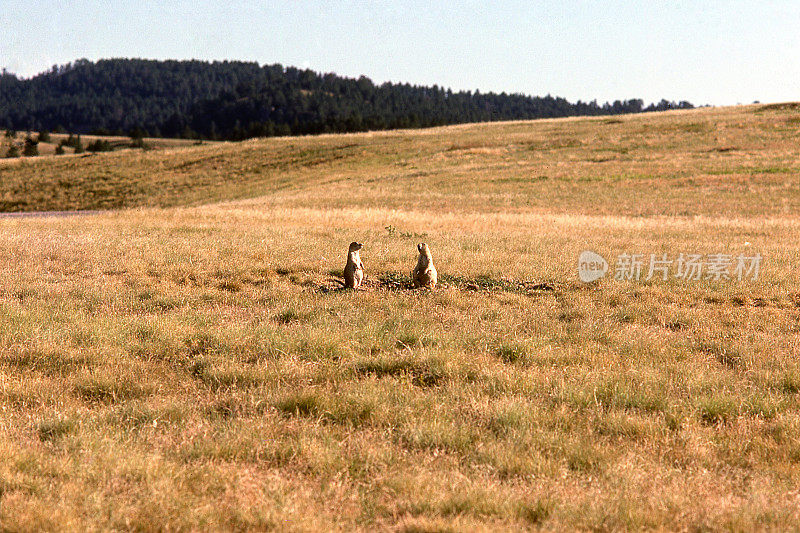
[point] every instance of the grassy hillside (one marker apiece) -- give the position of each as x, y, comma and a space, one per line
48, 148
732, 162
191, 365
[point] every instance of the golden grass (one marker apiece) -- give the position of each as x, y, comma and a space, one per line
190, 367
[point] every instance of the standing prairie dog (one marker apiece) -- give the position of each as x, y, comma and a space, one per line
424, 274
353, 270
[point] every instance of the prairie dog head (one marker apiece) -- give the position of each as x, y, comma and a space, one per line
354, 247
424, 254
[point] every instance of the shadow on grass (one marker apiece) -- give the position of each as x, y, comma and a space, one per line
397, 282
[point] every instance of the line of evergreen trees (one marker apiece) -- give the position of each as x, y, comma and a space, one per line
236, 100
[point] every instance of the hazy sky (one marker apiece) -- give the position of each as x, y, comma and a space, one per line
707, 52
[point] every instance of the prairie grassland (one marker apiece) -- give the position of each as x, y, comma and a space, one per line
189, 364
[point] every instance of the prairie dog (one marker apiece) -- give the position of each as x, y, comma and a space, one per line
424, 274
353, 270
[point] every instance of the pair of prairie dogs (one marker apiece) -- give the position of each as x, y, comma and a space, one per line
423, 275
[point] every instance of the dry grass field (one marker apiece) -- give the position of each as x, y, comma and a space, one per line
187, 363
